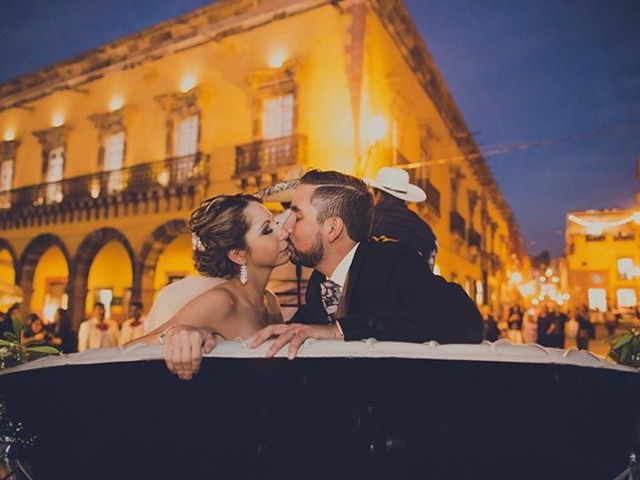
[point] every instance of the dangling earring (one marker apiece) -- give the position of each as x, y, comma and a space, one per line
244, 274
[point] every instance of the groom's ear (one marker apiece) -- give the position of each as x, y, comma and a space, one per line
237, 256
335, 226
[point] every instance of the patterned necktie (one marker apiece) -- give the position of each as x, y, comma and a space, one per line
330, 292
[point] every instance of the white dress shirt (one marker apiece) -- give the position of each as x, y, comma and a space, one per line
339, 275
129, 332
90, 336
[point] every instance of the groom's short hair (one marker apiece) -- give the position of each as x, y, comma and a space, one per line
343, 196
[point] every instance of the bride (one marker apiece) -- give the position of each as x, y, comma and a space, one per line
237, 244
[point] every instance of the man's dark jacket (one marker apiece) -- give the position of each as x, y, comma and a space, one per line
391, 296
393, 219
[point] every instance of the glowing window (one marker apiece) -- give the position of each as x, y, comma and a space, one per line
187, 136
277, 119
625, 268
6, 175
597, 299
626, 297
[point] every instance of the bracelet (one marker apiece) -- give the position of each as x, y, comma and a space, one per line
162, 338
340, 332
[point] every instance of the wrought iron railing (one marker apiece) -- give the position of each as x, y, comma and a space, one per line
172, 172
457, 223
264, 156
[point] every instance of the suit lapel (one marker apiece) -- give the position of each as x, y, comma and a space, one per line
353, 275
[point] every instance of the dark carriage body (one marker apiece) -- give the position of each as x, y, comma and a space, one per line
356, 410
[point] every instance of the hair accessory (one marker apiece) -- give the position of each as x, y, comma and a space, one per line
197, 243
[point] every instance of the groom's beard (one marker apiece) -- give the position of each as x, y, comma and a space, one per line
309, 258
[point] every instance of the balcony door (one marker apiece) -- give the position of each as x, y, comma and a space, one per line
185, 145
277, 117
277, 123
114, 161
6, 181
54, 175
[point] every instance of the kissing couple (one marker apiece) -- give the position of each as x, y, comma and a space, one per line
360, 288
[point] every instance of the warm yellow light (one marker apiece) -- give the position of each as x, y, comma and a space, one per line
535, 301
116, 103
636, 217
9, 134
163, 178
528, 289
555, 279
543, 279
595, 228
277, 57
57, 120
48, 312
548, 272
376, 128
516, 277
188, 81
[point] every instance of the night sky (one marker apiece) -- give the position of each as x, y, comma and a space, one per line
554, 86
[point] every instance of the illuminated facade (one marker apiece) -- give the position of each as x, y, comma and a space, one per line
104, 155
603, 257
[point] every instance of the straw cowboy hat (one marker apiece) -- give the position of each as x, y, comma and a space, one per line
282, 191
395, 181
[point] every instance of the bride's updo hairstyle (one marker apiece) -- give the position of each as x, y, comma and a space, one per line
218, 226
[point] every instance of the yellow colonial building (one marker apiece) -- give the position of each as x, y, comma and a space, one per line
103, 156
603, 257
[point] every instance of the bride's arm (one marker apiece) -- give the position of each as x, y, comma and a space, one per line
190, 329
274, 311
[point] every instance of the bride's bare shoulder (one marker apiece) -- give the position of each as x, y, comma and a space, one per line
212, 306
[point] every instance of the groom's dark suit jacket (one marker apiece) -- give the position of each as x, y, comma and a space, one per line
392, 296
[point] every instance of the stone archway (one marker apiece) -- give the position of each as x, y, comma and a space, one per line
6, 246
159, 239
29, 261
79, 273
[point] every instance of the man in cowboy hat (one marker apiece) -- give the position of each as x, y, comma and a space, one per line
393, 219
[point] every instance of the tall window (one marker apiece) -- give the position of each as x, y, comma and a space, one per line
625, 268
6, 180
597, 299
626, 297
186, 141
54, 175
6, 175
277, 117
114, 160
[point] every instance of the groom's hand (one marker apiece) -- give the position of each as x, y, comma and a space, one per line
295, 335
183, 349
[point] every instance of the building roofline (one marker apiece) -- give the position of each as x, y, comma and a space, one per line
228, 17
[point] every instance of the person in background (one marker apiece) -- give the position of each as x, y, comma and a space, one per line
34, 332
98, 331
133, 327
571, 330
515, 325
556, 334
64, 332
9, 319
545, 323
490, 326
530, 327
586, 330
392, 218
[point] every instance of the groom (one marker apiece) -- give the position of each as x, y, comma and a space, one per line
362, 288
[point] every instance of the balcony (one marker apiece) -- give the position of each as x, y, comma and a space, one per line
457, 224
173, 177
474, 239
267, 156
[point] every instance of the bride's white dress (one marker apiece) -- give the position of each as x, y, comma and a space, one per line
173, 297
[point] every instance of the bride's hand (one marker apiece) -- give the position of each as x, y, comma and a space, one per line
183, 349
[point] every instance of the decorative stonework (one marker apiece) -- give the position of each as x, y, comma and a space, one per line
54, 137
109, 123
270, 83
8, 150
178, 106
